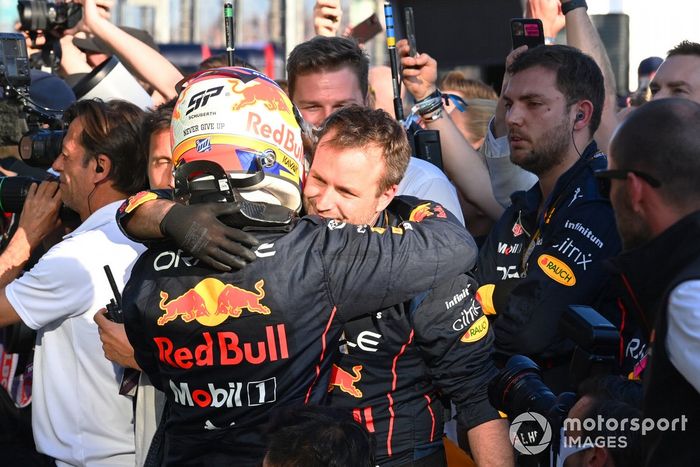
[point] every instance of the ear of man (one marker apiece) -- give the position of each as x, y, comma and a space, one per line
102, 169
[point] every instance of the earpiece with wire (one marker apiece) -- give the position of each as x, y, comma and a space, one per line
579, 116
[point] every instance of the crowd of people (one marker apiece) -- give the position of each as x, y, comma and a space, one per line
290, 285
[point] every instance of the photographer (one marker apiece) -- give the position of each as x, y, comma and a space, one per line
603, 398
78, 416
16, 343
54, 32
145, 61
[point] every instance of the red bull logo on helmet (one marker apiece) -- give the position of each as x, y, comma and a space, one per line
251, 114
271, 98
211, 302
283, 136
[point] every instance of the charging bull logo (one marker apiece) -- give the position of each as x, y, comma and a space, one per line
189, 306
346, 381
270, 96
424, 210
233, 300
211, 302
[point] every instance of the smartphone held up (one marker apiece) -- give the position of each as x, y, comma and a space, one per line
526, 31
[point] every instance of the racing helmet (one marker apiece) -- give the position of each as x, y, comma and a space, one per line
235, 132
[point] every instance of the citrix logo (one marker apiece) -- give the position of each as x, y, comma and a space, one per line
571, 251
201, 98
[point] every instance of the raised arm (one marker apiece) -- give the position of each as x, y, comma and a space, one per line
549, 12
462, 163
147, 62
327, 16
581, 33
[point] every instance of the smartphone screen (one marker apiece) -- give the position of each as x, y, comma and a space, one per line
367, 29
526, 31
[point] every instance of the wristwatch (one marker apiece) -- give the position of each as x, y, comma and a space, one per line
572, 5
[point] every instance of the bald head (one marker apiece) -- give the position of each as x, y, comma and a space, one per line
662, 138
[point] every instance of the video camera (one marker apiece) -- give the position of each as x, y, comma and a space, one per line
48, 16
519, 388
40, 145
51, 18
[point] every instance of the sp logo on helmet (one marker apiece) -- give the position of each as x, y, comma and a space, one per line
201, 98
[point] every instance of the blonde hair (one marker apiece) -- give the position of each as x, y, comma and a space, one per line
481, 101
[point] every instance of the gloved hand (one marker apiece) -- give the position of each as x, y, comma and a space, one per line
197, 230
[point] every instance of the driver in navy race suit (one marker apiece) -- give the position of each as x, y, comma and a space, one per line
227, 347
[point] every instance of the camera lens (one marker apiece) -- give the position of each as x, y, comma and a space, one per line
33, 14
48, 15
39, 148
13, 192
519, 388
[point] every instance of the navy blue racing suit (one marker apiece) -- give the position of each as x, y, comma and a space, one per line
399, 364
227, 348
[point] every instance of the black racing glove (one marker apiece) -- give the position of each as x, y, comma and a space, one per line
198, 230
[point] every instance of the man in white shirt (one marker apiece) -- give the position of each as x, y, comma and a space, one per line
327, 73
78, 416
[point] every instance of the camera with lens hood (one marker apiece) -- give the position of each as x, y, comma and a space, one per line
519, 391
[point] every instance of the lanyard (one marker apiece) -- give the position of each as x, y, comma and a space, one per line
549, 213
535, 238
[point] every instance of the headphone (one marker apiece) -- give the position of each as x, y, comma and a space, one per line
580, 116
99, 169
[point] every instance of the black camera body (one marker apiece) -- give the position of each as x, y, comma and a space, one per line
13, 192
425, 144
519, 388
38, 146
41, 144
48, 16
596, 340
14, 62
